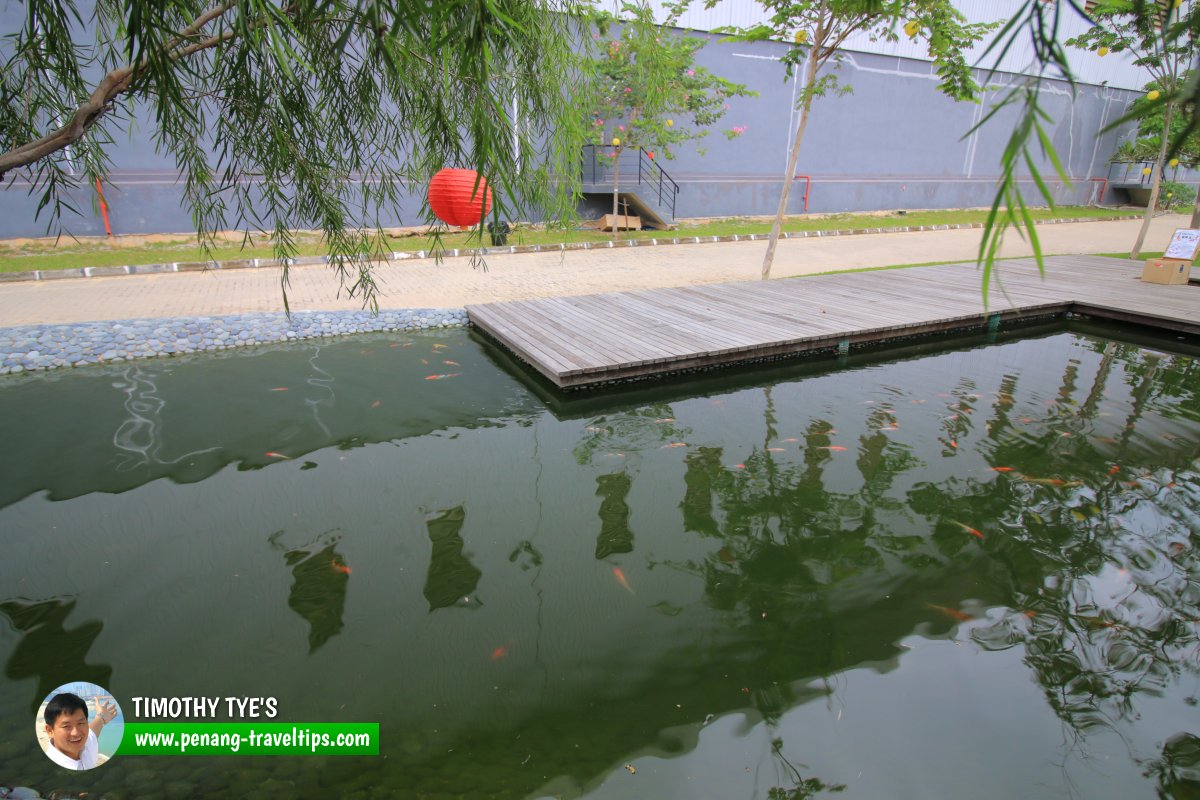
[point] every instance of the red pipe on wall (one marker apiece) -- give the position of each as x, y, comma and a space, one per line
104, 209
807, 186
1103, 188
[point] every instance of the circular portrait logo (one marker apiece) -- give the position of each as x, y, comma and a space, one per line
79, 725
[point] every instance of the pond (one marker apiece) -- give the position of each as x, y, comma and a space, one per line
967, 567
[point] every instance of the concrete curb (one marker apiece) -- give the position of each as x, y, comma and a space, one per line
263, 263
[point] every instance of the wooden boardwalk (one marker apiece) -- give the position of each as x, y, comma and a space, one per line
597, 338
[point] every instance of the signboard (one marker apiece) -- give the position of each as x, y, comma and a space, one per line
1183, 244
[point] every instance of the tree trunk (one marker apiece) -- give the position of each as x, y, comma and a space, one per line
810, 75
1155, 184
1195, 223
616, 172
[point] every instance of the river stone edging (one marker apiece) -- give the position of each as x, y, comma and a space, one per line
28, 348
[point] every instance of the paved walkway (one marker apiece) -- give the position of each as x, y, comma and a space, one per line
453, 283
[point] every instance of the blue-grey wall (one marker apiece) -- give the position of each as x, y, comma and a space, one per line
894, 143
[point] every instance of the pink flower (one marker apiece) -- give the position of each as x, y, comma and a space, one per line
691, 73
628, 90
620, 127
726, 106
598, 123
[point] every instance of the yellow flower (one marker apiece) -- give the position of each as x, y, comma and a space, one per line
801, 37
616, 142
1174, 162
1145, 170
912, 27
1102, 51
670, 123
1153, 94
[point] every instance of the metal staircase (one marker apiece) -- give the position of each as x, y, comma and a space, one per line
643, 187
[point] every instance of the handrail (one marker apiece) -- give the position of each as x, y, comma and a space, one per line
649, 173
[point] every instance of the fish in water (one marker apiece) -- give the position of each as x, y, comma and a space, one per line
342, 568
500, 652
968, 529
665, 419
377, 404
1114, 469
889, 428
954, 444
952, 613
791, 439
273, 454
280, 389
442, 376
837, 448
620, 576
452, 363
394, 344
673, 444
726, 556
776, 449
440, 346
425, 361
1002, 469
1051, 481
739, 466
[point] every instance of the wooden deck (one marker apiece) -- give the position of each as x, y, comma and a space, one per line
598, 338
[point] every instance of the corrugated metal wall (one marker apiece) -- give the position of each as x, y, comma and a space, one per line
1115, 70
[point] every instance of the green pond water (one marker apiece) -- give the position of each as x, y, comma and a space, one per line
964, 569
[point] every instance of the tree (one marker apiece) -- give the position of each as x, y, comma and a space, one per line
1040, 22
647, 92
311, 113
1119, 27
1150, 116
817, 28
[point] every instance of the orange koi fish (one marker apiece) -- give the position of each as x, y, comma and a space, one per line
425, 361
968, 529
1114, 469
342, 568
1029, 614
377, 404
739, 466
673, 444
442, 376
726, 556
665, 419
394, 344
273, 454
452, 363
1026, 420
954, 444
1002, 469
280, 389
837, 448
500, 652
440, 347
776, 449
620, 576
890, 428
952, 613
791, 439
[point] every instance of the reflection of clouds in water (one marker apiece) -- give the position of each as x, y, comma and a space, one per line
139, 436
325, 384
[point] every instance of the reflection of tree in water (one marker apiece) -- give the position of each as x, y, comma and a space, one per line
319, 582
452, 578
619, 435
615, 535
802, 788
49, 651
1178, 768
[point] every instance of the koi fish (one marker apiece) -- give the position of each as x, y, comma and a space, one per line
442, 376
452, 363
739, 466
273, 454
665, 419
968, 529
440, 347
1065, 434
1114, 469
726, 556
890, 428
1029, 614
620, 576
394, 344
342, 568
280, 389
1026, 420
837, 448
954, 444
952, 613
673, 444
500, 652
826, 432
1044, 481
1002, 469
918, 402
377, 404
776, 449
1105, 439
791, 439
425, 361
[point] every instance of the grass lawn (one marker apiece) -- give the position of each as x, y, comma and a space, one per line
44, 255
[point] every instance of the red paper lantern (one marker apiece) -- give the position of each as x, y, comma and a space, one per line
455, 199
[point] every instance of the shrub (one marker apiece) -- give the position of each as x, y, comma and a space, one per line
1175, 195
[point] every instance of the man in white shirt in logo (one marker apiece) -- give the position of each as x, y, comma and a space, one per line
73, 742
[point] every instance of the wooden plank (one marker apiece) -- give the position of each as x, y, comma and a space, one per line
590, 338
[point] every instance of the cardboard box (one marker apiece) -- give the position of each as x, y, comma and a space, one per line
626, 223
1166, 270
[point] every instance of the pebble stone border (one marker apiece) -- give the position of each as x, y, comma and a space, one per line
253, 263
29, 348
